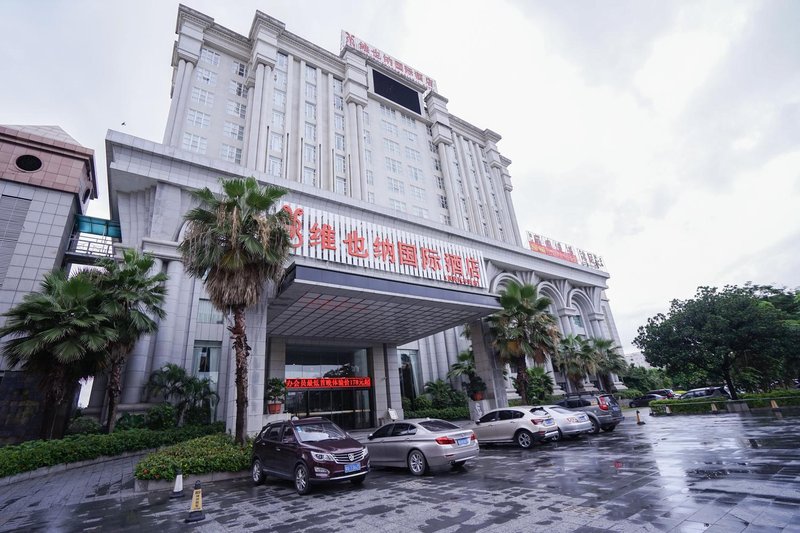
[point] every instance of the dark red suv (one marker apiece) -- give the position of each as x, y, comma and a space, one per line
307, 451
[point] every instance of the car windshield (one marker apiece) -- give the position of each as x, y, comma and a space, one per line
438, 425
317, 432
538, 411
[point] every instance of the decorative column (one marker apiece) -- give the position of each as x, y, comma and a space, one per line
507, 188
166, 329
487, 367
173, 106
254, 119
183, 98
362, 163
455, 221
482, 189
467, 184
263, 118
352, 135
248, 125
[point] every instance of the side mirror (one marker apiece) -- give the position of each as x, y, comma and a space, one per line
477, 421
370, 436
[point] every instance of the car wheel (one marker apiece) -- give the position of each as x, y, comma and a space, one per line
524, 439
301, 483
558, 437
595, 427
609, 429
632, 405
258, 472
358, 480
417, 463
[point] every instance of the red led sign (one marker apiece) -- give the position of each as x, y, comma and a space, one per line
361, 382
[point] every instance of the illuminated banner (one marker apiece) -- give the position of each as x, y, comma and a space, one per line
351, 41
331, 237
361, 382
553, 248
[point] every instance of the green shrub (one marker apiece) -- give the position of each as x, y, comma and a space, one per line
36, 454
84, 425
163, 416
406, 402
447, 413
198, 414
628, 394
212, 453
130, 421
784, 398
422, 403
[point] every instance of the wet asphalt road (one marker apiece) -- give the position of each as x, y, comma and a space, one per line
725, 473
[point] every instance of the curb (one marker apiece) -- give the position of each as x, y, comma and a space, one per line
48, 470
152, 485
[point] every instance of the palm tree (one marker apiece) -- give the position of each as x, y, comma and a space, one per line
574, 359
523, 328
465, 366
609, 360
198, 393
59, 334
169, 381
132, 297
540, 383
236, 244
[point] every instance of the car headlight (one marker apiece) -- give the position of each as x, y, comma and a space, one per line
366, 452
322, 457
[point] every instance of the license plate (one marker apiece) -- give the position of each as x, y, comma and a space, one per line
463, 442
352, 467
582, 418
615, 409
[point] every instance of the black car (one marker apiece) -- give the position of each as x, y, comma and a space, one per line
308, 451
644, 401
603, 410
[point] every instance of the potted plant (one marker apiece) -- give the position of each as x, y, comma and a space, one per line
476, 387
276, 394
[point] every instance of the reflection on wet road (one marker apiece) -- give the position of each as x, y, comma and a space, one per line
724, 473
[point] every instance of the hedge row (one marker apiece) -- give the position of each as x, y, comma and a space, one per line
39, 453
784, 398
448, 413
212, 453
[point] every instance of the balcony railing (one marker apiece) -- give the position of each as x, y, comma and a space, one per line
92, 239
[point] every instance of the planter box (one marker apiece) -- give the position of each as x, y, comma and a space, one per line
147, 485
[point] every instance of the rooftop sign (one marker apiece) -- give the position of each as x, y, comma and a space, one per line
398, 67
553, 248
330, 237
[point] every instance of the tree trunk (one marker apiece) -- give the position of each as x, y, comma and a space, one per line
726, 373
114, 386
522, 379
239, 337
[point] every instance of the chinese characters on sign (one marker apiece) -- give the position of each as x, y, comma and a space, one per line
326, 236
361, 382
351, 41
553, 248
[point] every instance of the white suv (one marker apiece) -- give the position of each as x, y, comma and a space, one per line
522, 425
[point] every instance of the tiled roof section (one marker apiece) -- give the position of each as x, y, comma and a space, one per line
49, 135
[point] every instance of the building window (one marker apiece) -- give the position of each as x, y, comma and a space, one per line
340, 166
231, 153
233, 131
337, 86
411, 136
236, 109
282, 61
443, 201
431, 147
206, 76
440, 182
410, 122
198, 118
397, 205
209, 56
437, 165
309, 176
280, 79
368, 156
207, 313
338, 121
311, 73
577, 320
367, 138
339, 141
371, 197
311, 91
413, 155
341, 185
279, 100
278, 119
445, 219
387, 111
194, 143
430, 131
418, 211
234, 87
338, 103
391, 147
395, 185
418, 192
206, 360
275, 142
239, 69
309, 153
311, 111
201, 96
415, 173
370, 177
275, 167
366, 118
389, 127
393, 165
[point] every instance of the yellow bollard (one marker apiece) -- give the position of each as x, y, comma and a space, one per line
196, 513
714, 409
773, 404
639, 421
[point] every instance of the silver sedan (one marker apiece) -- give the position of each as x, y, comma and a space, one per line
421, 443
570, 423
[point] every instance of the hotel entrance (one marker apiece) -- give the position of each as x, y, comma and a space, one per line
333, 382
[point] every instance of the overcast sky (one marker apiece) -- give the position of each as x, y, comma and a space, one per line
664, 136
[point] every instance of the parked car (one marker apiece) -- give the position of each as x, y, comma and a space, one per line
522, 425
422, 443
308, 451
570, 423
644, 401
667, 393
603, 410
712, 392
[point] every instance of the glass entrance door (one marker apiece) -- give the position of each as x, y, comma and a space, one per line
348, 408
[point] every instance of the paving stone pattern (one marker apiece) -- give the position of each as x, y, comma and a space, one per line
727, 473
